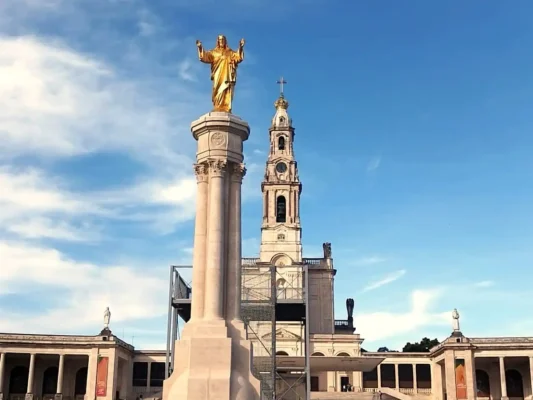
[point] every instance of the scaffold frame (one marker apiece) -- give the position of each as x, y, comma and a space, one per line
263, 303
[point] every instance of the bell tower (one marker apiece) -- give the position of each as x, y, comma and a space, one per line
281, 232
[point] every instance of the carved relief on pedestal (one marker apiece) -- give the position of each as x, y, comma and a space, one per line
238, 171
202, 172
218, 139
217, 167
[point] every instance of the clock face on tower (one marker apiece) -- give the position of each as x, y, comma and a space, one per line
281, 167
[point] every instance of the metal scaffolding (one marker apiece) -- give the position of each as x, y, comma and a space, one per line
270, 296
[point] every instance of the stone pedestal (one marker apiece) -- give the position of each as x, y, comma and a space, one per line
213, 359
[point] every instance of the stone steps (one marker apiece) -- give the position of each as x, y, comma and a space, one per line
342, 395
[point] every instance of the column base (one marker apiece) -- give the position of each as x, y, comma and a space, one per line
1, 396
58, 396
29, 396
216, 368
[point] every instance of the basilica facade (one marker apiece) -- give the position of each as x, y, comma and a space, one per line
298, 336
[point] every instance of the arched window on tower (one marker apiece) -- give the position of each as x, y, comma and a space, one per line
281, 209
281, 143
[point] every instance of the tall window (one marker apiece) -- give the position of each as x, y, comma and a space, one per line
281, 143
281, 209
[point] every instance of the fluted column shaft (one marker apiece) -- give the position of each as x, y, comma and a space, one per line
214, 276
233, 280
200, 243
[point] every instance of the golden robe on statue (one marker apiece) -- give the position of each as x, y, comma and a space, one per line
224, 62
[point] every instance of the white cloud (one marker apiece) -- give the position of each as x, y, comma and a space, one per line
83, 290
36, 205
385, 280
186, 71
384, 325
39, 227
58, 102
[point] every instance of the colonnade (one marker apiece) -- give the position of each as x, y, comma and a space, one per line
13, 375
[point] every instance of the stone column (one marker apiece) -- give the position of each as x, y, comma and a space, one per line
470, 372
200, 240
396, 377
449, 372
379, 375
415, 383
436, 381
60, 372
31, 376
503, 380
213, 361
233, 279
2, 368
92, 363
265, 206
148, 376
214, 276
530, 374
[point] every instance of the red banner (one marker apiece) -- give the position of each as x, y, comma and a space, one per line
101, 376
460, 379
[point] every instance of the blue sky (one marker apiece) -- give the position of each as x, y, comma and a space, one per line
412, 136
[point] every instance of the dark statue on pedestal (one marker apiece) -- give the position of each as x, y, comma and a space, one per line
327, 249
349, 307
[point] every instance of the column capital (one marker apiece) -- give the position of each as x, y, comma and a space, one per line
201, 171
217, 168
238, 171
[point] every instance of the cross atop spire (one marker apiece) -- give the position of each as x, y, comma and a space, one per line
281, 82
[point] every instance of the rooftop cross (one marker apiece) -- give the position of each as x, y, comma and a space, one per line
281, 82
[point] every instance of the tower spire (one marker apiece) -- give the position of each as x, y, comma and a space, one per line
281, 82
281, 231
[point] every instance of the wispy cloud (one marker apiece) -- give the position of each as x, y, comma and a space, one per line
385, 281
186, 71
85, 289
370, 260
37, 205
384, 325
373, 164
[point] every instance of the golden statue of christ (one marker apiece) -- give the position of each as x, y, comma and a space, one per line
224, 62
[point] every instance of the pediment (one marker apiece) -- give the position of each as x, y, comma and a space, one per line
283, 334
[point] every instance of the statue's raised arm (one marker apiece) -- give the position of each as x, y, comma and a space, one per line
224, 62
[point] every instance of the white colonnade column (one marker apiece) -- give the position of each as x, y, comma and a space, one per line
396, 377
60, 373
214, 273
379, 375
200, 241
149, 376
530, 374
503, 380
31, 374
415, 383
233, 280
2, 369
